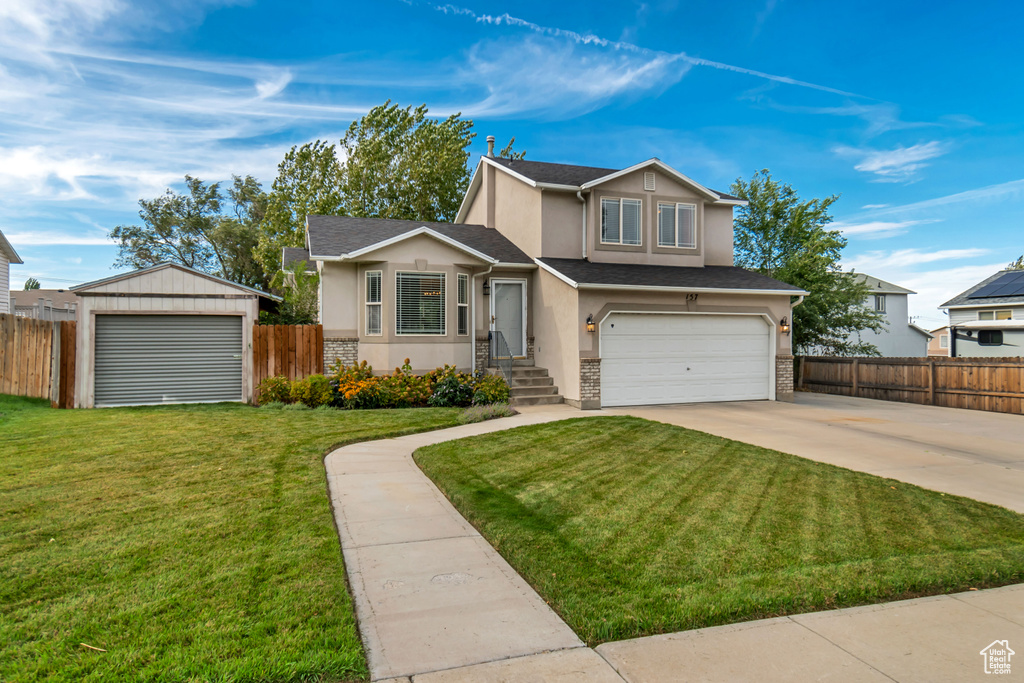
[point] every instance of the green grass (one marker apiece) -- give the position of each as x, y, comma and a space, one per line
190, 542
631, 528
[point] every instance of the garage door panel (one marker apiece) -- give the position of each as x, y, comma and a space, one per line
153, 359
650, 359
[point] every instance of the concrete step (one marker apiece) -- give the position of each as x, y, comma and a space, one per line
532, 381
523, 363
528, 372
537, 400
526, 392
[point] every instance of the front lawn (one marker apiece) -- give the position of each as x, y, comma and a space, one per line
189, 542
630, 528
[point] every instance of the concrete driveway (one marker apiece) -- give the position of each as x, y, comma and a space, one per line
966, 452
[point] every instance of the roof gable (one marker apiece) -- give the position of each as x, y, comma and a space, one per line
342, 237
877, 285
106, 284
8, 250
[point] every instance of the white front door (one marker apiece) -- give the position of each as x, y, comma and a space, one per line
508, 314
647, 359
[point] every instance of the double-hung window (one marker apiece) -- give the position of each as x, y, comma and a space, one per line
620, 221
677, 225
419, 306
373, 317
463, 304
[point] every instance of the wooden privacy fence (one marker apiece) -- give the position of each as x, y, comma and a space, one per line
992, 384
37, 359
295, 351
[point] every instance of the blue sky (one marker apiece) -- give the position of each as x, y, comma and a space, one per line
910, 111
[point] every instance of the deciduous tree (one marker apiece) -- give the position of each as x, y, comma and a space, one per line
785, 238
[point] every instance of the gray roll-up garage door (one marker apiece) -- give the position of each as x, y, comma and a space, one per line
150, 359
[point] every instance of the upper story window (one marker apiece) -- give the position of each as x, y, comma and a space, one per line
995, 315
419, 305
677, 225
620, 221
880, 303
373, 299
943, 341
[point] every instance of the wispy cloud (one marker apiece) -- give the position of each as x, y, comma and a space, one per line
590, 39
894, 165
902, 258
878, 229
1013, 189
38, 238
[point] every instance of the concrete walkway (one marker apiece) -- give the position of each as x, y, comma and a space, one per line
436, 603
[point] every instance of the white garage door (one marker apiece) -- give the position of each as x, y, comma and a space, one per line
649, 359
150, 359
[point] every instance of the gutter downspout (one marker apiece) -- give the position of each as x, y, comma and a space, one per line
579, 196
472, 315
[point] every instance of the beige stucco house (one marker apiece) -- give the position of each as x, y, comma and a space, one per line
618, 284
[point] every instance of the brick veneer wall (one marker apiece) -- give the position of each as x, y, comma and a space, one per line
590, 383
345, 349
784, 378
483, 348
529, 347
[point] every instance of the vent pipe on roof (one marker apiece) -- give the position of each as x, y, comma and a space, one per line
490, 146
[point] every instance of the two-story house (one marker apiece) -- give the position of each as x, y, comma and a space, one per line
987, 320
898, 338
618, 284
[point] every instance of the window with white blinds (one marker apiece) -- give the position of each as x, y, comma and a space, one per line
420, 305
677, 225
373, 302
620, 221
463, 304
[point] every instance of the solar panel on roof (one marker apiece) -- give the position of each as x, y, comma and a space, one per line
1008, 284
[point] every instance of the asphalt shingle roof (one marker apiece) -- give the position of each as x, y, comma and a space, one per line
337, 235
880, 286
963, 298
710, 277
292, 254
564, 174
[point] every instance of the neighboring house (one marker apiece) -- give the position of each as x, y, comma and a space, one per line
899, 338
618, 284
987, 320
44, 304
7, 257
938, 345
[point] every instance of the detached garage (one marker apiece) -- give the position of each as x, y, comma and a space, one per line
165, 334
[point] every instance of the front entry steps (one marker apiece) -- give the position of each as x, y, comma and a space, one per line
532, 386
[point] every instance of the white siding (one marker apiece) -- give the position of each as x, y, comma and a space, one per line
958, 316
898, 339
5, 284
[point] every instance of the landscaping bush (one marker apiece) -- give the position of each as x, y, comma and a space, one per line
356, 387
489, 389
275, 389
273, 405
313, 391
452, 389
479, 413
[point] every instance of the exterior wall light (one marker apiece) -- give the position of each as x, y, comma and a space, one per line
487, 287
784, 325
590, 323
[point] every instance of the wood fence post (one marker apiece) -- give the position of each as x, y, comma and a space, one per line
800, 377
856, 378
931, 382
